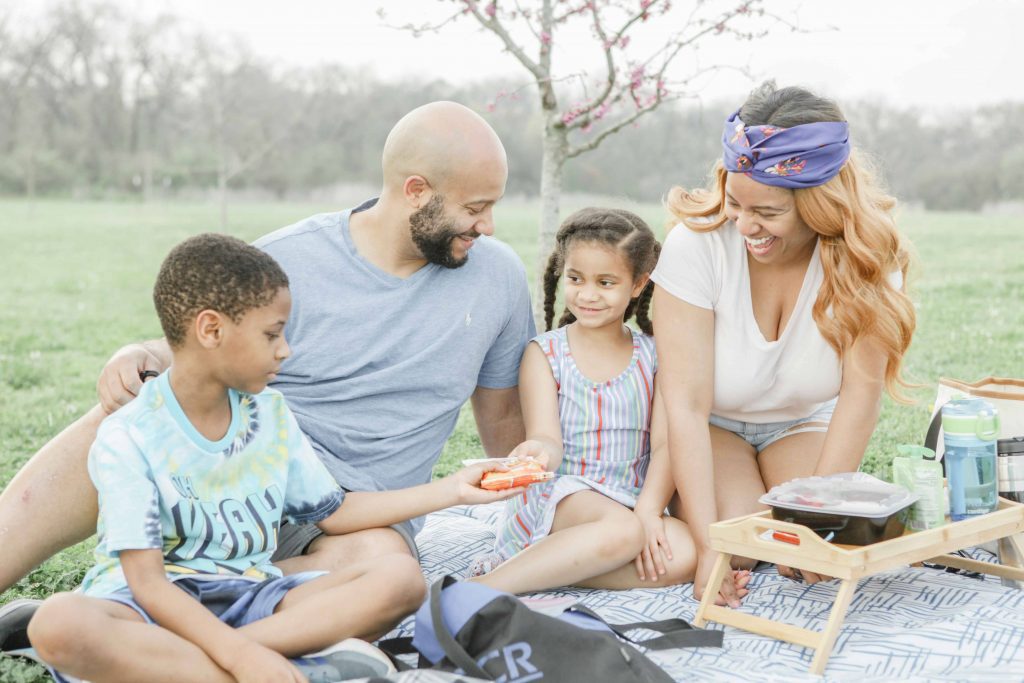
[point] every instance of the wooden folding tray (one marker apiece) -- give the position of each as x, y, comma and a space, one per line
743, 537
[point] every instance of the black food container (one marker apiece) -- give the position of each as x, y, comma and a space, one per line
850, 509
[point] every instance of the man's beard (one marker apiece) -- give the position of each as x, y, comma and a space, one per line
432, 233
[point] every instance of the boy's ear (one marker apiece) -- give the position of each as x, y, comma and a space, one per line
209, 329
639, 285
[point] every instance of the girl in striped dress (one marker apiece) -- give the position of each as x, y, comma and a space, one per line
588, 397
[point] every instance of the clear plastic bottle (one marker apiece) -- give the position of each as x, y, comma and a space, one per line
970, 427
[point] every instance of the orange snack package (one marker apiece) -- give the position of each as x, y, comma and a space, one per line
520, 473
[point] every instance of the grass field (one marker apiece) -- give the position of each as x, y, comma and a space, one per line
76, 280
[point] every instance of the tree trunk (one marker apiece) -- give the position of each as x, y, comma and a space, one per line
555, 146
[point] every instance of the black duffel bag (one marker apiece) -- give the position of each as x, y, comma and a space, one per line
473, 630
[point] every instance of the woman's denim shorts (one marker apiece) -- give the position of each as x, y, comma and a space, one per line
762, 435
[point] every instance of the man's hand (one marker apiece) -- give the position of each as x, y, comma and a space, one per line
466, 484
121, 378
650, 563
254, 663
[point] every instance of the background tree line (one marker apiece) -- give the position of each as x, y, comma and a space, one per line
99, 103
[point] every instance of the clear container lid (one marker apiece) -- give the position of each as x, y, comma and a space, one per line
852, 493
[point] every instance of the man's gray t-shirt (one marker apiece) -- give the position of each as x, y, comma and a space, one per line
381, 365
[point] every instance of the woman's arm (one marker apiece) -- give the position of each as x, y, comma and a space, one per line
686, 361
856, 413
538, 394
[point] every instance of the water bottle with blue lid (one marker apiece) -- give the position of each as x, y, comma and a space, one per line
970, 427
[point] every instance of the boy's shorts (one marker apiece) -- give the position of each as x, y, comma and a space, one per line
293, 539
235, 601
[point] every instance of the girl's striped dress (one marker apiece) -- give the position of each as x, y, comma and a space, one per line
606, 438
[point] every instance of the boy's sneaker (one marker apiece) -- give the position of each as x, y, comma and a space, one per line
14, 618
351, 658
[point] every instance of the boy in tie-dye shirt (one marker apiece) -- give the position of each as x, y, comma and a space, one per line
194, 478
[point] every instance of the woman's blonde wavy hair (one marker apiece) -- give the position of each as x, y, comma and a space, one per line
860, 245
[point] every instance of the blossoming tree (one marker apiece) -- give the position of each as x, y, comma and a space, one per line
640, 45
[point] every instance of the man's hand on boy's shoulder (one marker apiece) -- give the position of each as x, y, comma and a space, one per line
466, 484
121, 378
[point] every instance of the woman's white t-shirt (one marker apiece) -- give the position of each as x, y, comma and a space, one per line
755, 380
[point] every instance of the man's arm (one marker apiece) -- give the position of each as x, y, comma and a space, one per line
176, 611
499, 419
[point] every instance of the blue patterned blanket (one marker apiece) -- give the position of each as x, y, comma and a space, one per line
907, 624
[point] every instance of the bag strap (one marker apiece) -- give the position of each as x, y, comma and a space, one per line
931, 439
455, 652
675, 632
393, 647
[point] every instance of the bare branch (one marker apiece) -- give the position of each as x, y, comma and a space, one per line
599, 138
495, 26
526, 20
582, 118
418, 29
661, 97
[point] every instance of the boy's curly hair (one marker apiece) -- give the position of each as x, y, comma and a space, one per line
213, 272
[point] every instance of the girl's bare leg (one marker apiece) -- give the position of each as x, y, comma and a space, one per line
591, 535
680, 569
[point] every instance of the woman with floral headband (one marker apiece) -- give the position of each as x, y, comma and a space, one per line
779, 311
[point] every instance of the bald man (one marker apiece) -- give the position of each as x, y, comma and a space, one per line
403, 308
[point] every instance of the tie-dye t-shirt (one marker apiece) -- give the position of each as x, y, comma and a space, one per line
211, 507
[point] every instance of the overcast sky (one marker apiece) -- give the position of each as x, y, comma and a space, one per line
935, 54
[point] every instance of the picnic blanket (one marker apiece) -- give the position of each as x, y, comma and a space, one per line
908, 624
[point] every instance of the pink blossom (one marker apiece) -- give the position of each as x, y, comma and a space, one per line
545, 38
491, 10
636, 78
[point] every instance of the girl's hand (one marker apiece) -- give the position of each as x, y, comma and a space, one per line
467, 484
650, 563
258, 664
532, 450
